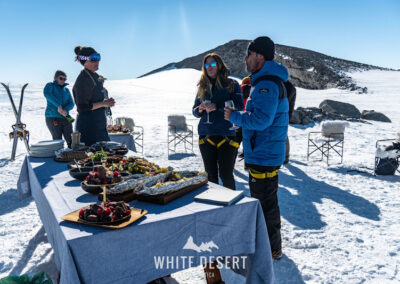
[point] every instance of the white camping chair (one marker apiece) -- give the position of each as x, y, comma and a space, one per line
330, 140
136, 131
179, 132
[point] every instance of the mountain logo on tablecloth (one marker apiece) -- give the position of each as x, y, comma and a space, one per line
203, 247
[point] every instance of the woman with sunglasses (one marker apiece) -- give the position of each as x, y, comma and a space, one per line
59, 103
91, 98
216, 136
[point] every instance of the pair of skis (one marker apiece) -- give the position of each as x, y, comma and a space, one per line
17, 126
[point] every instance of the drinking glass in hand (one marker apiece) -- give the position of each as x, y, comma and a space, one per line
207, 102
230, 104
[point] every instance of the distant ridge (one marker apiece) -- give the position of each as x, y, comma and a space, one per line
308, 69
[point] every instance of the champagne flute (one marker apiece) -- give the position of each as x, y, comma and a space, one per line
207, 102
231, 105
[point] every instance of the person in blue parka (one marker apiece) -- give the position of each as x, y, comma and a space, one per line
59, 103
265, 124
216, 136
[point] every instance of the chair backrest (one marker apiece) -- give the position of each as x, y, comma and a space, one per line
333, 129
177, 122
129, 123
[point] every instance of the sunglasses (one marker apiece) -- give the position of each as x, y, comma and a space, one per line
248, 52
212, 64
95, 57
62, 78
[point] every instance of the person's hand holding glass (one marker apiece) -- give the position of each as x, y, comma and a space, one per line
208, 107
231, 105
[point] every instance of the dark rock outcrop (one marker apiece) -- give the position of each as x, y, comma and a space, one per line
373, 115
308, 69
339, 108
334, 110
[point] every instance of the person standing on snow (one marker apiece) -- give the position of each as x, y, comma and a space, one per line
91, 98
216, 141
59, 103
264, 125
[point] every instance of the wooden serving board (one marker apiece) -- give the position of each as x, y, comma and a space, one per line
168, 197
136, 214
126, 196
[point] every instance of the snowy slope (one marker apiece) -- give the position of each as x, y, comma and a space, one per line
338, 225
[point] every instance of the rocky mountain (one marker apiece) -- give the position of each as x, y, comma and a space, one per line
308, 69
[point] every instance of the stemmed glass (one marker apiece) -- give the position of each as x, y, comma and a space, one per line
207, 102
231, 105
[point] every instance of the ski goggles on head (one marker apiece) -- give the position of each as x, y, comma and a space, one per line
212, 64
92, 58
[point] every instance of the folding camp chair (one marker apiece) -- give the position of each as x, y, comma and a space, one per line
136, 131
328, 141
179, 132
387, 159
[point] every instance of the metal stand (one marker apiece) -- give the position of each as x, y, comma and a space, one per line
18, 127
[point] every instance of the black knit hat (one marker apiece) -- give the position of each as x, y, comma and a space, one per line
60, 73
263, 45
85, 51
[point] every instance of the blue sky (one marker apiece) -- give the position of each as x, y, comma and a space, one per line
135, 37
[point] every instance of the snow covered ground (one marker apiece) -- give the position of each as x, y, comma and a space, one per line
340, 224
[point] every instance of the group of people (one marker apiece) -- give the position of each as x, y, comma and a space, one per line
91, 99
259, 107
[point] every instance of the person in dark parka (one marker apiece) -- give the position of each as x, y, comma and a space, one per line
91, 98
216, 139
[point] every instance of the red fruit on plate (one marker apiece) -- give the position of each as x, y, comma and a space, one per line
116, 173
127, 212
108, 211
96, 174
99, 211
112, 208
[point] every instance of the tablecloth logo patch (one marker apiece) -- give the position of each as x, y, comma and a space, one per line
188, 260
208, 246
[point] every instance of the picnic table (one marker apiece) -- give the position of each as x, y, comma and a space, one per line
181, 231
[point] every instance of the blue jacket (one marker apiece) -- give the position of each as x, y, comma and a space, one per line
219, 125
265, 121
57, 95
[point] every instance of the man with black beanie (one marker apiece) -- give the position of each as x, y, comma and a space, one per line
264, 125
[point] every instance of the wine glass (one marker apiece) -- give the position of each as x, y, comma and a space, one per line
207, 102
231, 105
109, 120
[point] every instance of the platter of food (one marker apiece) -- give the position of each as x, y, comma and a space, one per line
100, 177
68, 155
161, 188
112, 215
117, 129
109, 146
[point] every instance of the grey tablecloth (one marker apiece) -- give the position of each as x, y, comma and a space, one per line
95, 255
126, 139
